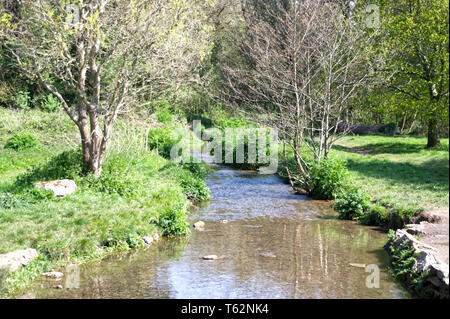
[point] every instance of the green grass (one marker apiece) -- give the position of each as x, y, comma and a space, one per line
110, 214
398, 169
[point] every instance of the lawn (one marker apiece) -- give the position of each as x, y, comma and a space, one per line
140, 193
398, 169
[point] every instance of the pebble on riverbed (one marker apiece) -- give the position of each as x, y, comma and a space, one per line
148, 240
199, 225
53, 275
210, 257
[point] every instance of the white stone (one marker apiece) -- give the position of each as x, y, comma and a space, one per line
148, 240
16, 259
60, 188
199, 224
53, 274
210, 257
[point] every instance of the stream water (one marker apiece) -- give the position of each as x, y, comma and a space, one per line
275, 245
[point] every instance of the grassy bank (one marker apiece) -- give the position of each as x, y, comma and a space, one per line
140, 193
398, 169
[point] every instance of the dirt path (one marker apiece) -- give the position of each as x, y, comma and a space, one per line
433, 229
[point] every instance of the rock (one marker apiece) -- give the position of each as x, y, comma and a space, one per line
156, 237
224, 221
358, 265
426, 260
440, 270
268, 255
416, 229
60, 188
16, 259
210, 257
199, 224
53, 275
59, 287
148, 240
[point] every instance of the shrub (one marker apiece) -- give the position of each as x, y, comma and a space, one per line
327, 178
21, 142
399, 216
22, 100
50, 103
67, 165
351, 204
127, 238
403, 259
375, 215
389, 129
115, 177
162, 140
165, 117
9, 201
173, 221
193, 186
198, 169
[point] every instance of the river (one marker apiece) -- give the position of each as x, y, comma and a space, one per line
275, 245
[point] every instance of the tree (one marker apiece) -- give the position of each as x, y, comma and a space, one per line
100, 57
417, 45
299, 63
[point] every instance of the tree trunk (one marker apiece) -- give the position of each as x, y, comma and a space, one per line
433, 133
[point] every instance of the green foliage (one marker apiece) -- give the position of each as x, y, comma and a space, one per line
327, 178
165, 117
389, 129
67, 165
403, 259
376, 215
21, 142
124, 238
50, 103
351, 204
173, 221
194, 187
162, 139
197, 169
116, 178
22, 100
10, 201
400, 215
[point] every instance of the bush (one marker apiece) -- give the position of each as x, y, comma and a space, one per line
162, 140
375, 215
22, 100
50, 103
389, 129
403, 259
115, 178
10, 201
173, 221
351, 204
127, 238
198, 169
327, 178
399, 216
21, 142
193, 186
67, 165
165, 117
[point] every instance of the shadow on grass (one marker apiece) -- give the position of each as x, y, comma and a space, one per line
397, 147
432, 175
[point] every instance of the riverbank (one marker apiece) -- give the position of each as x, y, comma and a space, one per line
140, 193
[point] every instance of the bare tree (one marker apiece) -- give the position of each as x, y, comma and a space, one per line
99, 57
301, 62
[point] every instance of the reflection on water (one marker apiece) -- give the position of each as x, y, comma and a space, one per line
275, 245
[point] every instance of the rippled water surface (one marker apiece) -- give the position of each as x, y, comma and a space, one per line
275, 245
